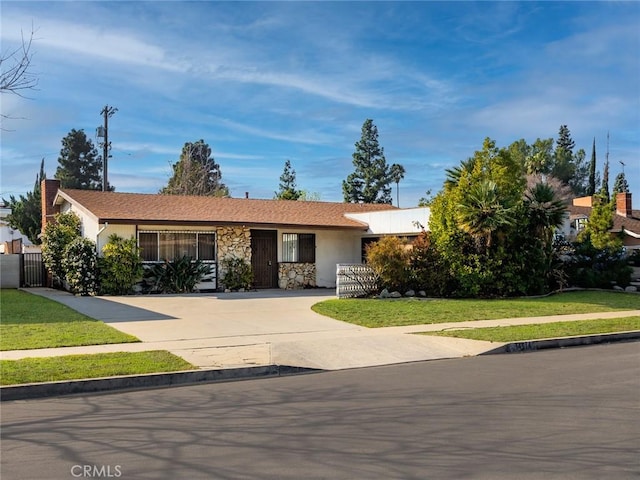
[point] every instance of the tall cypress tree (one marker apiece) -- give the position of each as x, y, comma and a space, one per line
369, 183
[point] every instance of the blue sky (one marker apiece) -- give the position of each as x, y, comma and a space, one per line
265, 82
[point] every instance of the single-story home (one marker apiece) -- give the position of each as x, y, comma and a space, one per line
289, 244
626, 220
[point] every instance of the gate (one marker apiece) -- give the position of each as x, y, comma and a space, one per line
32, 271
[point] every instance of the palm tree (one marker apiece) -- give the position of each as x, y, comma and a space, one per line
396, 173
545, 210
454, 174
483, 212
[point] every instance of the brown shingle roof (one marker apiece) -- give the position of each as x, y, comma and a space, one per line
630, 224
141, 208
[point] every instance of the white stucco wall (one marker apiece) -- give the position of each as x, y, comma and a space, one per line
332, 247
408, 221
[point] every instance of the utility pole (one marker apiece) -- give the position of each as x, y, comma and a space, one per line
106, 112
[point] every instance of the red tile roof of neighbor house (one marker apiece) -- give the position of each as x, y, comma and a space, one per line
141, 208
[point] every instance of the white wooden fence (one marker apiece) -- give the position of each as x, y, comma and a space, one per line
355, 280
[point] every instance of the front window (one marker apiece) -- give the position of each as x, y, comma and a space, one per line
160, 246
299, 247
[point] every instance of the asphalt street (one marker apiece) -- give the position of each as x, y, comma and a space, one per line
567, 414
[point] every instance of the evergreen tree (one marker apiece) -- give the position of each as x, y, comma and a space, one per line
568, 167
620, 185
599, 225
592, 170
369, 183
288, 190
80, 166
196, 173
26, 212
565, 142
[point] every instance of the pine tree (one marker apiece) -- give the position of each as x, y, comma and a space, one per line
565, 142
288, 190
196, 173
80, 166
369, 183
620, 185
26, 212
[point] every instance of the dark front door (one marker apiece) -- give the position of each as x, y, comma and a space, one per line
264, 258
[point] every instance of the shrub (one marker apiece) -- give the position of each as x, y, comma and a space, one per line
238, 273
120, 265
389, 258
57, 235
178, 276
427, 268
80, 265
590, 267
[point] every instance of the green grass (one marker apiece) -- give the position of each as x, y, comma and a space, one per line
544, 330
30, 321
398, 312
73, 367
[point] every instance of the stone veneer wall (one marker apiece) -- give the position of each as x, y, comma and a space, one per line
232, 242
293, 276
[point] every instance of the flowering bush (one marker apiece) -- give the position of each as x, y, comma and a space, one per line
57, 236
80, 265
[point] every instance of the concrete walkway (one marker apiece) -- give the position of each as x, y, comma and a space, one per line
272, 327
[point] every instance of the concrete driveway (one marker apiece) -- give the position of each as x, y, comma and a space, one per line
265, 327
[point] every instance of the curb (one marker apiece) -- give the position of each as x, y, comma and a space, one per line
153, 380
564, 342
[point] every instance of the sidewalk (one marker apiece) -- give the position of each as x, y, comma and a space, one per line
225, 331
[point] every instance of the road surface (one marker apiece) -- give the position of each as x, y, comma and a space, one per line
569, 414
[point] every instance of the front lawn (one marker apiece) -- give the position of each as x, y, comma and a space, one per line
30, 321
74, 367
413, 311
518, 333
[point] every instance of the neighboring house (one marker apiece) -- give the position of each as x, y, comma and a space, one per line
625, 219
11, 240
290, 244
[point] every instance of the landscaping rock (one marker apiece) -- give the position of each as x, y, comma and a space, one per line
385, 293
422, 294
631, 288
410, 293
618, 287
395, 295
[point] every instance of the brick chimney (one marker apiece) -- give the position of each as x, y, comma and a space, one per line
48, 190
623, 204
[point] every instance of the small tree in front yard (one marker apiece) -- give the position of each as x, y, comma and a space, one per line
64, 229
120, 265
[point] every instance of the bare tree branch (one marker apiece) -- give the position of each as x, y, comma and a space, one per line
15, 69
